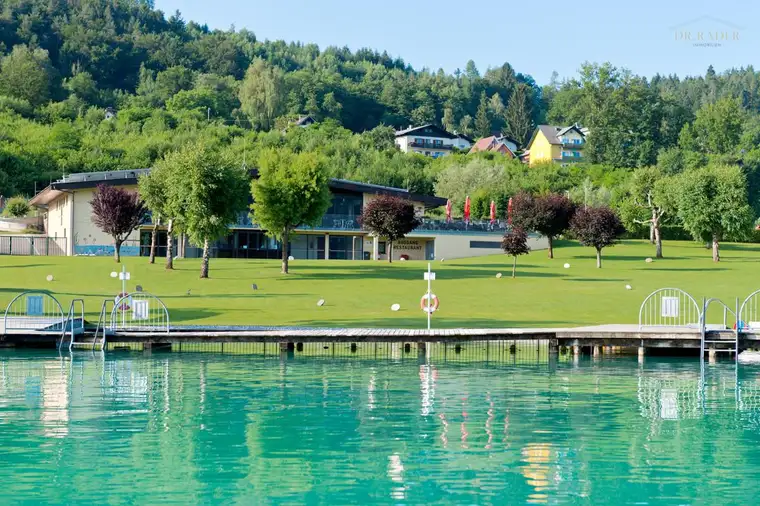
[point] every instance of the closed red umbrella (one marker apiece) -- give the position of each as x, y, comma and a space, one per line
509, 211
467, 209
448, 211
493, 212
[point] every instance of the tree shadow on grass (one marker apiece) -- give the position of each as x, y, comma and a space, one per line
681, 269
253, 295
590, 280
179, 315
410, 275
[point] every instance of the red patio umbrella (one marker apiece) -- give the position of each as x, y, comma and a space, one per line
448, 211
493, 212
467, 209
509, 211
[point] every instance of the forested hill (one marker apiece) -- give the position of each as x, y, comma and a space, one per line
169, 81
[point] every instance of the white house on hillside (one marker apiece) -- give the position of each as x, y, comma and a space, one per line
430, 140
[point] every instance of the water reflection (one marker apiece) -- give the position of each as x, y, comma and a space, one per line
233, 429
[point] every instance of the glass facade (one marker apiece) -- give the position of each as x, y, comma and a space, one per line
346, 247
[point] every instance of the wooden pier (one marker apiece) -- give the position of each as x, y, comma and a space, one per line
623, 336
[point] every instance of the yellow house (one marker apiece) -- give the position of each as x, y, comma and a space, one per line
551, 143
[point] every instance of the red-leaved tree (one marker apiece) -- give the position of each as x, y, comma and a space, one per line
117, 212
515, 243
549, 215
598, 227
389, 217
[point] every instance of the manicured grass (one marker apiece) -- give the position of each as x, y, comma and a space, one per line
359, 294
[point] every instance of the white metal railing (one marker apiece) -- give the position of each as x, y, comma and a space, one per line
69, 323
669, 307
139, 312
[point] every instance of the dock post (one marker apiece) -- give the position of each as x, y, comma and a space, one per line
641, 354
553, 347
576, 350
712, 355
283, 346
596, 351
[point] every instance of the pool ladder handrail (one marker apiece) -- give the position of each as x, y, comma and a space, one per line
102, 324
71, 320
703, 328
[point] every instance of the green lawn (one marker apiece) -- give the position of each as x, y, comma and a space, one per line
361, 293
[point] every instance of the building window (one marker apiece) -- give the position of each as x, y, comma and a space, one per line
381, 248
485, 245
417, 140
427, 153
437, 142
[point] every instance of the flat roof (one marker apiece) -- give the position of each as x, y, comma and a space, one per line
130, 177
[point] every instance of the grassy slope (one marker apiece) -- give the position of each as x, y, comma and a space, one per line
361, 293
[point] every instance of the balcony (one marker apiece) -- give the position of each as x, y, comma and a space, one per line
572, 143
329, 222
342, 222
429, 145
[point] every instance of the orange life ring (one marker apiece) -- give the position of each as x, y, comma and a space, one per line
123, 297
433, 303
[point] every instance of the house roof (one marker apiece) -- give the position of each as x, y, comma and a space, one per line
465, 137
428, 130
304, 120
130, 178
552, 132
491, 143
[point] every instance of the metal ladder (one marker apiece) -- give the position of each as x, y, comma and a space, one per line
70, 320
703, 329
102, 325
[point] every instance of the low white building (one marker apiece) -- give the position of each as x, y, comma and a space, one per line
65, 205
430, 140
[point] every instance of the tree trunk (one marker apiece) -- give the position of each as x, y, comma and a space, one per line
514, 265
657, 241
598, 258
153, 235
550, 240
204, 261
715, 249
117, 250
390, 251
169, 246
652, 226
285, 242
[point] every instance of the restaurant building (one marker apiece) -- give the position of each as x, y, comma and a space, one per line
67, 213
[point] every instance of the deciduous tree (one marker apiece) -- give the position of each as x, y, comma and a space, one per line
26, 74
16, 207
598, 227
117, 212
712, 205
548, 215
650, 201
389, 217
515, 243
208, 190
262, 94
291, 191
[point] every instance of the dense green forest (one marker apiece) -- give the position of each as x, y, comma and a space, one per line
170, 81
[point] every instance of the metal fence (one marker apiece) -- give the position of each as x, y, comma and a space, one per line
30, 245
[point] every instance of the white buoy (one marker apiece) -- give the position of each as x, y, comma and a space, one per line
290, 258
498, 275
402, 259
321, 302
567, 266
649, 260
395, 307
442, 259
49, 277
628, 287
114, 274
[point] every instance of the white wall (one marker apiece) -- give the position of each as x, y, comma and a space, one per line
458, 246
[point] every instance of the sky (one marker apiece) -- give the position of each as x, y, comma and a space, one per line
537, 38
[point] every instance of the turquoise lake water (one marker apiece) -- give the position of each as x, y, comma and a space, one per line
192, 428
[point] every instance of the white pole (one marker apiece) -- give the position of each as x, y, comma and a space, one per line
429, 300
